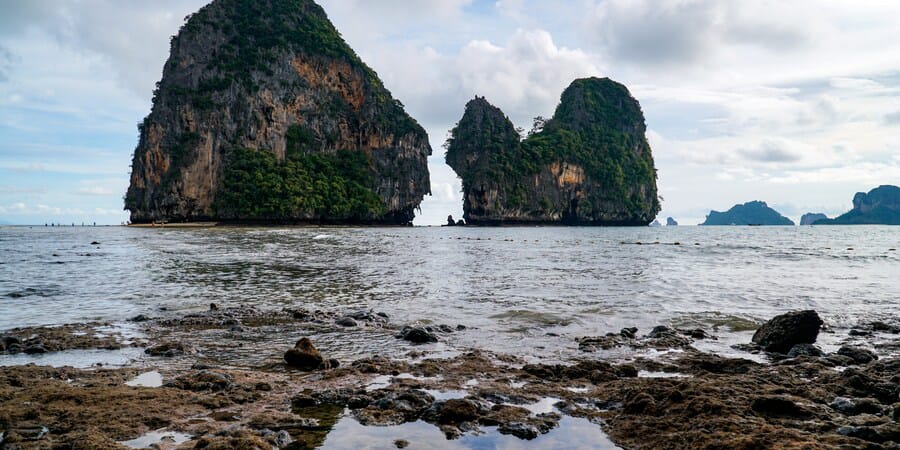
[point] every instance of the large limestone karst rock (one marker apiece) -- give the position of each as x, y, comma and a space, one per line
590, 164
264, 113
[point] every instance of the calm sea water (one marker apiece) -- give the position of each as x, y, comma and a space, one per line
527, 291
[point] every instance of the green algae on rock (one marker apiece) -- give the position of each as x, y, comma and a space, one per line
590, 164
265, 114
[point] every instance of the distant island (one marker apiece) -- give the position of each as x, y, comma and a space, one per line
811, 218
670, 222
590, 164
265, 114
750, 213
880, 206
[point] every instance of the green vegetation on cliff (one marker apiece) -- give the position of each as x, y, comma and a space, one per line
306, 185
597, 127
240, 73
880, 206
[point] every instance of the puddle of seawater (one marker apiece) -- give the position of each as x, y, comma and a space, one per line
446, 395
572, 433
517, 384
146, 379
578, 390
544, 405
383, 381
79, 359
156, 437
656, 374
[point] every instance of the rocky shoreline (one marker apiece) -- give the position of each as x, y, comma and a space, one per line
207, 394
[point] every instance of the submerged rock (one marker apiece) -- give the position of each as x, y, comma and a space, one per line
783, 332
857, 354
805, 350
304, 356
417, 335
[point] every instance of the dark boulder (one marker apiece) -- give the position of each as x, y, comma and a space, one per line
855, 406
457, 410
304, 356
629, 332
416, 335
346, 322
805, 350
787, 330
857, 354
35, 349
167, 349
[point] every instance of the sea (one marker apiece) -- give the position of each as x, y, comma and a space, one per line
528, 291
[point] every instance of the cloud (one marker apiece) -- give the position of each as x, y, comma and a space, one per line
771, 151
892, 119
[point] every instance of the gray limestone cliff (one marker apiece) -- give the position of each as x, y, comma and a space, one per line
265, 114
590, 164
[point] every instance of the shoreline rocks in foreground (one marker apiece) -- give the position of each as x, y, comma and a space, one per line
686, 399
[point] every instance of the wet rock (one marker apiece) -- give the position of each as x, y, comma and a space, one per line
445, 328
805, 350
394, 408
852, 407
401, 443
885, 327
416, 335
591, 344
519, 430
35, 349
95, 243
167, 349
304, 356
864, 433
346, 322
698, 333
664, 337
777, 406
639, 403
213, 307
204, 380
896, 412
231, 322
139, 318
628, 333
855, 332
283, 438
857, 354
456, 411
15, 348
659, 331
8, 341
783, 332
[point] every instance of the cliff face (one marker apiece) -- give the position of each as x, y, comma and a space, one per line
750, 213
880, 206
590, 164
264, 113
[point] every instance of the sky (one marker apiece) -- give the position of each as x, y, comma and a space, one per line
793, 103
